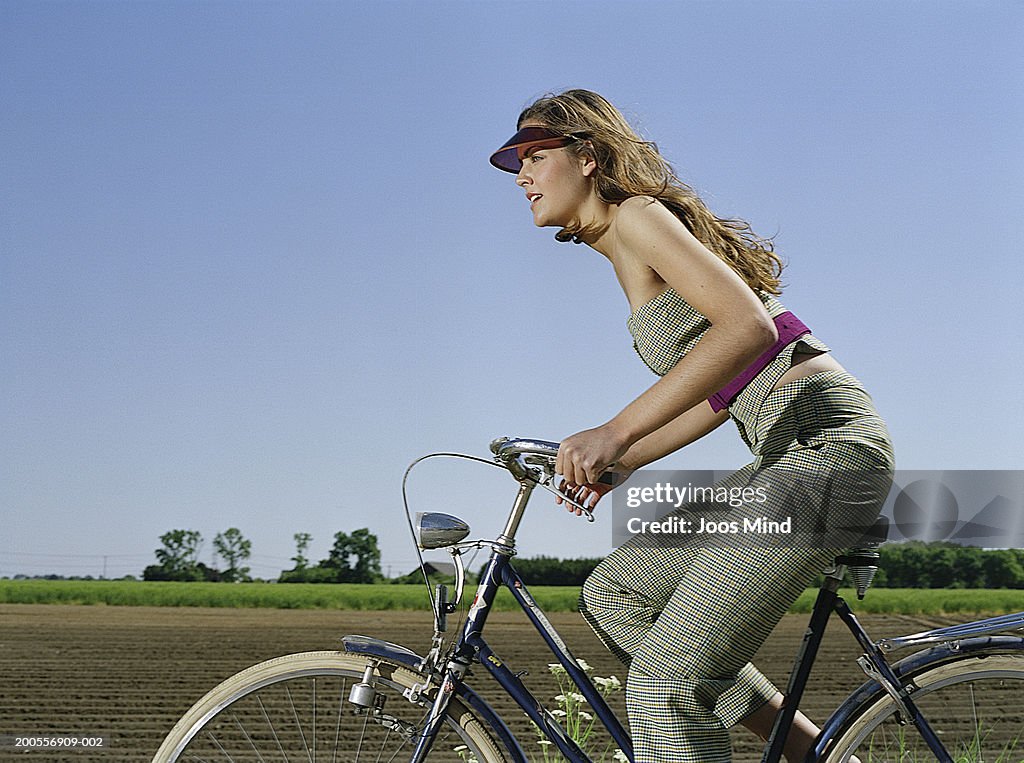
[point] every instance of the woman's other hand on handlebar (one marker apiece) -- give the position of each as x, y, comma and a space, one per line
584, 456
588, 495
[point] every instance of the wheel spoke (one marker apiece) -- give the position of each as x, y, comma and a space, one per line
977, 724
383, 745
298, 723
219, 747
248, 739
273, 730
337, 724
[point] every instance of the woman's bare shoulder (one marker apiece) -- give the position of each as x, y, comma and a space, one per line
641, 217
638, 203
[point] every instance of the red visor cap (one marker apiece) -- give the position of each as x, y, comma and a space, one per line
510, 156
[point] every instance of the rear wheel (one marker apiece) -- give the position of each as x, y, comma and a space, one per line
974, 703
296, 708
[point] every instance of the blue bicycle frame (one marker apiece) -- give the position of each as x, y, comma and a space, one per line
499, 571
472, 647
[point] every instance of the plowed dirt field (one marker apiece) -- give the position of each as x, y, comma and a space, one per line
128, 673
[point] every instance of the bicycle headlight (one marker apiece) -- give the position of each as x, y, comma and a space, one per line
437, 530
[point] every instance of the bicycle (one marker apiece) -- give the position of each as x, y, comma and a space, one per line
375, 700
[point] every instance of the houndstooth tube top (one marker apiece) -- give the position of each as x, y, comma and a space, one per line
666, 328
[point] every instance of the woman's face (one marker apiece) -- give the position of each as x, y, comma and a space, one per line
556, 184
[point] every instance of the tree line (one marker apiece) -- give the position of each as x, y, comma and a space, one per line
355, 558
913, 564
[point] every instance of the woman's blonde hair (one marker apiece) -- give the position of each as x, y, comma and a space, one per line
629, 166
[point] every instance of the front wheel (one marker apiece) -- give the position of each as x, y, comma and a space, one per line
296, 708
975, 704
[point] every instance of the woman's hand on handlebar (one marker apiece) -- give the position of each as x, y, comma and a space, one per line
584, 456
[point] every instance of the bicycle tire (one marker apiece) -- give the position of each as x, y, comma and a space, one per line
973, 702
296, 707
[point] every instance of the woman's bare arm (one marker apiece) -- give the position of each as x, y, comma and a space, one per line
740, 331
684, 429
678, 433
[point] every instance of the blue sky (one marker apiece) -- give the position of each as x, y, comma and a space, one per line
253, 260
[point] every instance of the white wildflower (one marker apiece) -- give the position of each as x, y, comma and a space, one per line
577, 723
609, 684
620, 757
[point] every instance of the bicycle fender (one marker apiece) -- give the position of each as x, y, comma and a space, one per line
395, 652
908, 665
380, 648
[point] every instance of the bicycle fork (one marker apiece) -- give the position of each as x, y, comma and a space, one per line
454, 672
365, 697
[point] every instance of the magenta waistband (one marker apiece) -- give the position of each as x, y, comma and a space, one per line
789, 327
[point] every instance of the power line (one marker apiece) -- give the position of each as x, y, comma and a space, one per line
42, 563
75, 556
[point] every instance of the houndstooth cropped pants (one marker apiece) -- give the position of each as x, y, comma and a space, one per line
687, 613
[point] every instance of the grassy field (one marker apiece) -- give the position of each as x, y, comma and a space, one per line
410, 597
131, 593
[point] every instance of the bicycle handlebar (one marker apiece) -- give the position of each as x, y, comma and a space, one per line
508, 449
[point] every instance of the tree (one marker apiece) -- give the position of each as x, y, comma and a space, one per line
354, 558
944, 570
233, 548
302, 572
1003, 569
302, 541
546, 570
177, 558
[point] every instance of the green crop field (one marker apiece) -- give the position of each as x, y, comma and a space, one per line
410, 597
271, 595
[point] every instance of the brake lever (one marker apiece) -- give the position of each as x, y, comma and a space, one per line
546, 464
555, 491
